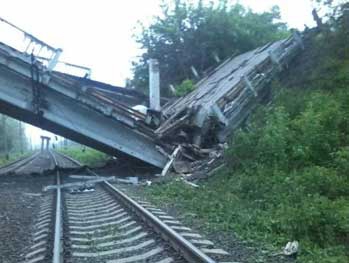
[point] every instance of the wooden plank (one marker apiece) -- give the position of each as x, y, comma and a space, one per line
77, 184
169, 163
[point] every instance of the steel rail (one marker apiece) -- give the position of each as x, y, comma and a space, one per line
25, 161
57, 248
190, 252
69, 158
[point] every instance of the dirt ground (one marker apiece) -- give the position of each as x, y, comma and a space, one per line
20, 197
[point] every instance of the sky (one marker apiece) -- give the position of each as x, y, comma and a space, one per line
99, 34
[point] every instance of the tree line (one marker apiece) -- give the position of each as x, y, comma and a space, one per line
189, 38
12, 136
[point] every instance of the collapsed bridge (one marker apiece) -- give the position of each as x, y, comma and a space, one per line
103, 116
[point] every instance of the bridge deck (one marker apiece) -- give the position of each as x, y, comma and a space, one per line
76, 109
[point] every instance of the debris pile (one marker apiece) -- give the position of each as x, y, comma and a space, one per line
201, 121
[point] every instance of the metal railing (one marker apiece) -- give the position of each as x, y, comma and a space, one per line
37, 47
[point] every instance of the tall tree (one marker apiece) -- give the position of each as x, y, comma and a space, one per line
12, 136
196, 34
330, 9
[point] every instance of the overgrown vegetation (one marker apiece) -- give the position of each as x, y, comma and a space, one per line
13, 157
13, 142
286, 175
184, 88
86, 156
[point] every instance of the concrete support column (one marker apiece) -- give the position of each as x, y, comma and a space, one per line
45, 143
48, 143
42, 143
154, 85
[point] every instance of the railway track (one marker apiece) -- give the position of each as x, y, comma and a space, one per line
12, 167
103, 224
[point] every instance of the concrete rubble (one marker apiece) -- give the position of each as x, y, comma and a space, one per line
201, 121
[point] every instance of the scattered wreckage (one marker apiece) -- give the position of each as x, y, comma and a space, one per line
199, 123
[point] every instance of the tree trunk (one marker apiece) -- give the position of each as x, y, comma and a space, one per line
5, 137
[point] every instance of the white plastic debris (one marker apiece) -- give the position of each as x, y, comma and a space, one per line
291, 248
141, 108
148, 183
190, 183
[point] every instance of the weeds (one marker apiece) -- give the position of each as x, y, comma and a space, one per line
13, 157
86, 156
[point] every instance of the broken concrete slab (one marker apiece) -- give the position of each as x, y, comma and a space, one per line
225, 97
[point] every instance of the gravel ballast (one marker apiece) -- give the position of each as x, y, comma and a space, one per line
20, 199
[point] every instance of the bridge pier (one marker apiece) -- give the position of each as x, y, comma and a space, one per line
45, 141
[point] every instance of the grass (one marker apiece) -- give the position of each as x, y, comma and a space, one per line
286, 176
86, 156
13, 157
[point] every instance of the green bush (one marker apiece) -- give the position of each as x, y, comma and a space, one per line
341, 161
13, 157
184, 88
86, 156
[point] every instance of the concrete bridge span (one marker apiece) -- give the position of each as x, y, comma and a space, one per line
79, 110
